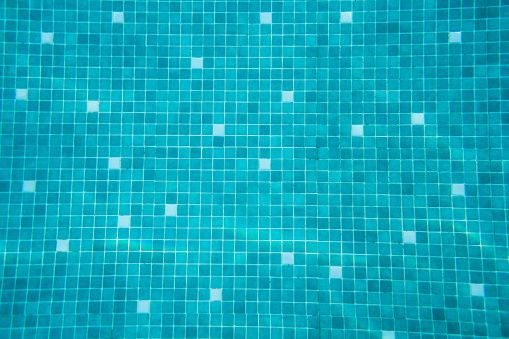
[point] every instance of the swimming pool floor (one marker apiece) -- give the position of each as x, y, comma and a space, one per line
254, 169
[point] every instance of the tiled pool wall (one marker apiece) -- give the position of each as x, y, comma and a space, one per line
273, 169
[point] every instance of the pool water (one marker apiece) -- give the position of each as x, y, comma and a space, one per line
254, 169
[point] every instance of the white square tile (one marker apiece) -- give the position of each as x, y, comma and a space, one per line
216, 294
196, 62
264, 164
458, 189
477, 290
287, 258
417, 118
93, 106
346, 17
409, 237
118, 17
22, 94
388, 335
114, 163
62, 245
124, 221
265, 18
455, 37
287, 96
357, 130
170, 210
143, 306
47, 38
29, 186
218, 130
336, 272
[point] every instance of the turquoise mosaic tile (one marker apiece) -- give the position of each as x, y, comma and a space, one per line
254, 169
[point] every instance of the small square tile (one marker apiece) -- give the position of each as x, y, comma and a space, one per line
143, 306
264, 164
93, 106
124, 221
218, 130
22, 94
458, 189
357, 130
29, 186
118, 17
388, 335
477, 290
196, 62
287, 258
346, 17
409, 237
265, 18
114, 163
287, 96
47, 38
216, 294
455, 37
335, 272
170, 210
62, 245
418, 119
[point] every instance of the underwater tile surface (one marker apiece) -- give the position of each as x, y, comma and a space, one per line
246, 169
